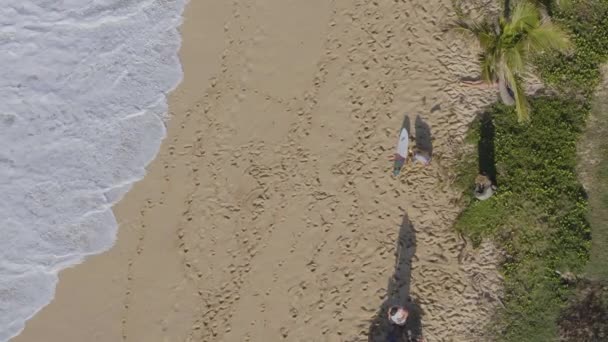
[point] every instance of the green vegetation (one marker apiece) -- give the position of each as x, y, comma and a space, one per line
596, 166
507, 47
540, 215
578, 73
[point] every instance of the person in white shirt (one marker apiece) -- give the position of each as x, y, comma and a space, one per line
420, 156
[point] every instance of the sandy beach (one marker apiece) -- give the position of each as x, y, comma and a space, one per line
271, 212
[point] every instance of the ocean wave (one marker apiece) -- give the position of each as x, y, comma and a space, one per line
82, 103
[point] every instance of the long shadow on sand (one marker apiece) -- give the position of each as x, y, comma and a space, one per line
406, 124
398, 293
424, 139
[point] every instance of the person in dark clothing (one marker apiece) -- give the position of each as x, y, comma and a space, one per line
397, 316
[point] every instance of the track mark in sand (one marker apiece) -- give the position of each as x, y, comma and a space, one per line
382, 63
425, 191
220, 293
128, 288
139, 249
276, 181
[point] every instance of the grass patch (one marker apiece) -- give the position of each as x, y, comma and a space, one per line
578, 72
538, 216
597, 166
541, 216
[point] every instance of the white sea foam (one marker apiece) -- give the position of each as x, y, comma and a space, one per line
82, 100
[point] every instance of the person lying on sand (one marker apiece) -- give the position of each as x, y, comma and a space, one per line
420, 156
417, 156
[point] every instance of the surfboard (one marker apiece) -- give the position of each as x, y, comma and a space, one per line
401, 153
403, 143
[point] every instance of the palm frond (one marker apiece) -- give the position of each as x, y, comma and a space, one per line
487, 39
525, 16
515, 59
482, 31
546, 37
522, 107
465, 27
507, 45
521, 102
488, 67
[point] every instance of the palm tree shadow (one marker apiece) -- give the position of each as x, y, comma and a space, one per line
423, 136
398, 293
485, 147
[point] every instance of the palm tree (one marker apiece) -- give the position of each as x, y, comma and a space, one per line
507, 47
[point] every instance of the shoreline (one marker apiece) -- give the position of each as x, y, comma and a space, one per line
110, 272
270, 210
